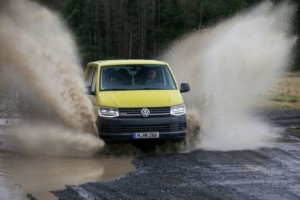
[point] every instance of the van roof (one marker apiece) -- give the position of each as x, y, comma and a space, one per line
129, 61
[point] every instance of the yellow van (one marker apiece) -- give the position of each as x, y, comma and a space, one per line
136, 99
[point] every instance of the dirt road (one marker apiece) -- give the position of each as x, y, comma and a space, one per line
267, 173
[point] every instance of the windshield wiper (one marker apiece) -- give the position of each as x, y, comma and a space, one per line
114, 89
151, 88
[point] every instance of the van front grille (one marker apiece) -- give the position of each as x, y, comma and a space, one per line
142, 128
136, 112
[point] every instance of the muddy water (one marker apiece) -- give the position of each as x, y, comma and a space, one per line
229, 67
55, 110
21, 175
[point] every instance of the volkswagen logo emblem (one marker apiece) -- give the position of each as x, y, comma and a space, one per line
145, 112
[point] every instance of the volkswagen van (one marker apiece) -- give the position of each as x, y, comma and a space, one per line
136, 99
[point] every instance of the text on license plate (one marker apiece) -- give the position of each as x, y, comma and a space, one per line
145, 135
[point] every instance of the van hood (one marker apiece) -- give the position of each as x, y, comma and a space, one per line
139, 98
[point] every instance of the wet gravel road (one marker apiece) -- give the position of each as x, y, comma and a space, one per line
267, 173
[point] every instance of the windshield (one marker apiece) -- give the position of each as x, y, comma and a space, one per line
136, 77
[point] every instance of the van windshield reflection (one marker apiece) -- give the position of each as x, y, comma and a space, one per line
136, 77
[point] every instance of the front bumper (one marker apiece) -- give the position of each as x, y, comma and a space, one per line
119, 128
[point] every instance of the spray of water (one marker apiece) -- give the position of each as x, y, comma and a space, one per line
38, 59
228, 66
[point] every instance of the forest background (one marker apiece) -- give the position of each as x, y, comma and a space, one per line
123, 29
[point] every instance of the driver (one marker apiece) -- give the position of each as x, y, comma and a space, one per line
151, 76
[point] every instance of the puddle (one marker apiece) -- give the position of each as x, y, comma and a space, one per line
21, 175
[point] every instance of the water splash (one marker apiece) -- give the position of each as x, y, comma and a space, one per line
39, 61
229, 66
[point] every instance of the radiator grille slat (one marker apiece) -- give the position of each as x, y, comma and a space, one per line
142, 128
136, 112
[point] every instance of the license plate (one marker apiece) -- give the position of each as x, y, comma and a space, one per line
145, 135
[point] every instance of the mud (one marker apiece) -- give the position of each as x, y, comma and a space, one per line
267, 173
22, 176
42, 64
41, 83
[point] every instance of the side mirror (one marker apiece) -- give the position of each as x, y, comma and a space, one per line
184, 87
89, 90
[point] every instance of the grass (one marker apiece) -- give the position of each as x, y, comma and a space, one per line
285, 94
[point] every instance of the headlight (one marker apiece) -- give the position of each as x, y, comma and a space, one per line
178, 110
108, 112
